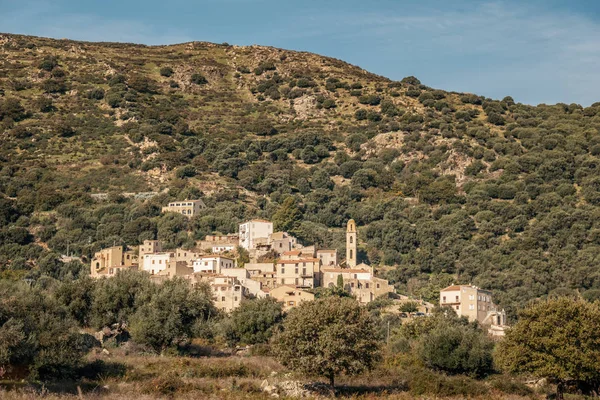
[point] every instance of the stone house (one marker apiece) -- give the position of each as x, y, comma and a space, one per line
107, 262
254, 230
328, 257
474, 303
301, 272
358, 281
290, 296
212, 264
188, 208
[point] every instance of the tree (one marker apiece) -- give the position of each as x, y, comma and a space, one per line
288, 216
254, 321
37, 334
340, 281
556, 339
169, 317
409, 307
327, 337
116, 299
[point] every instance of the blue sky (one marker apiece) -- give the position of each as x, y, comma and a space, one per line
536, 51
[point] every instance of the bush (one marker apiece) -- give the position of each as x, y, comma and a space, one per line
198, 79
371, 99
166, 72
254, 321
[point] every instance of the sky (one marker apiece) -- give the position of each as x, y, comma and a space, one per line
537, 51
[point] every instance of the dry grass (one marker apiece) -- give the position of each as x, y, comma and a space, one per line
121, 376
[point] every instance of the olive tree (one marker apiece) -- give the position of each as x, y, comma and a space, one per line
327, 337
556, 339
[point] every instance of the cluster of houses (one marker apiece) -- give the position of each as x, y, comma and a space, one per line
279, 267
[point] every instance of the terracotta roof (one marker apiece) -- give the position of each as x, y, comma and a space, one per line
352, 271
309, 260
292, 252
451, 288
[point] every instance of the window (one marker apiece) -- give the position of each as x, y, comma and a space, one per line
366, 285
351, 256
444, 299
303, 271
290, 303
296, 271
282, 270
280, 245
352, 284
235, 298
471, 297
378, 286
152, 261
457, 299
351, 239
223, 298
457, 307
471, 306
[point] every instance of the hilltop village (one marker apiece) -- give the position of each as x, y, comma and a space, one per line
279, 267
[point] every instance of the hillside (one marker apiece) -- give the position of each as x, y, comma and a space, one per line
445, 187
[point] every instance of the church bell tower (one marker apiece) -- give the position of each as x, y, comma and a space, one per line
351, 236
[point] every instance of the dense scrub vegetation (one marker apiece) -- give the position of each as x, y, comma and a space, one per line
445, 187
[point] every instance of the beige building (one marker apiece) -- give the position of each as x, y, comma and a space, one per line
187, 256
282, 241
108, 261
358, 281
301, 272
254, 230
211, 241
173, 269
351, 244
150, 247
213, 264
474, 303
189, 208
228, 293
328, 257
290, 296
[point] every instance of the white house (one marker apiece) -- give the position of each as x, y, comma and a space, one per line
213, 264
156, 262
254, 229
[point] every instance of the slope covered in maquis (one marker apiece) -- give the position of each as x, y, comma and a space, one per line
445, 187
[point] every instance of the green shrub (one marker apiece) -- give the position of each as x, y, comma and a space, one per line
166, 72
198, 79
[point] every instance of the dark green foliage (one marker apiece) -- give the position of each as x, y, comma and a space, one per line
198, 79
555, 339
327, 337
37, 333
166, 72
371, 99
254, 321
48, 63
447, 343
168, 317
11, 108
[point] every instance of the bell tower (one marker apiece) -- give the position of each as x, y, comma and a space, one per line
351, 236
